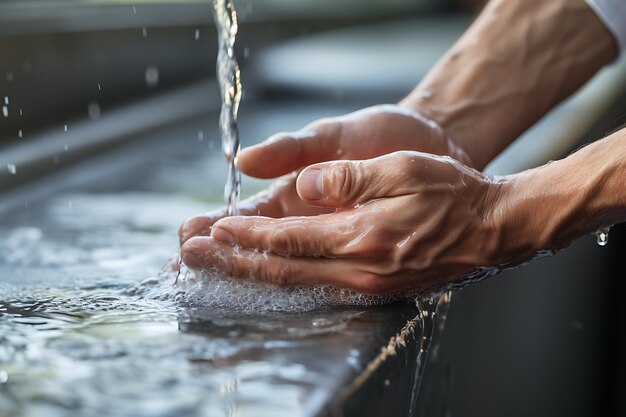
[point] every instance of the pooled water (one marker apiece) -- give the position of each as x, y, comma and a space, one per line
80, 336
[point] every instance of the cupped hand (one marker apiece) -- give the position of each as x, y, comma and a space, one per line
364, 134
403, 220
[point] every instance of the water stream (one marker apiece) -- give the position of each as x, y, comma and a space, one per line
229, 77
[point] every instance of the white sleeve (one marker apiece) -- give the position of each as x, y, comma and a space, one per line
613, 14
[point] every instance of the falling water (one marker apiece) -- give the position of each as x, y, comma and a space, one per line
229, 78
603, 236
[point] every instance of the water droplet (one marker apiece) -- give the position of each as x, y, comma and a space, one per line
246, 52
5, 111
200, 135
9, 76
66, 147
144, 32
6, 101
27, 66
603, 236
20, 134
70, 204
94, 110
152, 76
65, 128
21, 112
12, 169
135, 9
99, 87
197, 35
4, 377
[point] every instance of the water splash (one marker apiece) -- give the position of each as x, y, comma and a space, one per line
603, 235
432, 317
229, 78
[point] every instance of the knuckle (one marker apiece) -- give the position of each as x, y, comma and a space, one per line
406, 163
280, 243
241, 266
276, 274
342, 181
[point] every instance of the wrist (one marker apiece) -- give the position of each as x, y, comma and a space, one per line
511, 227
550, 206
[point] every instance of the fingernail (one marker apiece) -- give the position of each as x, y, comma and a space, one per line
222, 235
310, 184
191, 260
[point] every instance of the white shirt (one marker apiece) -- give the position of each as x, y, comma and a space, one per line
613, 14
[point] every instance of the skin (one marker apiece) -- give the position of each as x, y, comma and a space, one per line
392, 211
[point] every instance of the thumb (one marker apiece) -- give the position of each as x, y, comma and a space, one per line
347, 183
284, 153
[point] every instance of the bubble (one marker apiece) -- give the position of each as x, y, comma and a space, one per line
214, 290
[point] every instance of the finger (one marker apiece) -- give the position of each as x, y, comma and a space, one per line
327, 235
207, 253
287, 152
347, 183
200, 225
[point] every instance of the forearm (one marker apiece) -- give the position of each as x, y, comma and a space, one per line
550, 206
518, 60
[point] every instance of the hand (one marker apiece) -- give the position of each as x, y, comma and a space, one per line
279, 200
403, 220
364, 134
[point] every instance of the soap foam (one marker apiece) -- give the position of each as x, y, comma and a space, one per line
215, 290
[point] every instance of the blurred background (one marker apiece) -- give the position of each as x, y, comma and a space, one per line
82, 79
